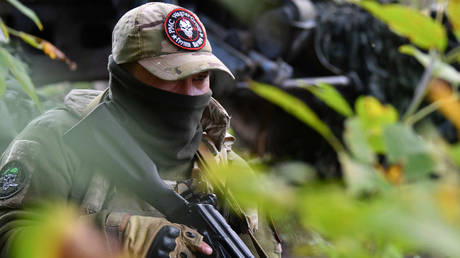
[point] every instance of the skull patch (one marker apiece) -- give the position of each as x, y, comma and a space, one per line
183, 30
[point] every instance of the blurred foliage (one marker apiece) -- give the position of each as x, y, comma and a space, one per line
440, 69
20, 102
47, 227
331, 97
56, 229
48, 48
400, 193
27, 12
297, 108
421, 30
246, 11
12, 65
453, 12
18, 70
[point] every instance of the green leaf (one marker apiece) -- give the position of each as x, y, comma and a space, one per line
7, 126
374, 116
18, 70
404, 147
355, 139
27, 12
4, 35
453, 12
454, 153
392, 252
3, 74
297, 108
440, 69
31, 40
360, 178
329, 95
420, 29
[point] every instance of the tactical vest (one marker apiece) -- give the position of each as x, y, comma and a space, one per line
214, 150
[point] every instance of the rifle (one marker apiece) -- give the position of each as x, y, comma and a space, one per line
100, 138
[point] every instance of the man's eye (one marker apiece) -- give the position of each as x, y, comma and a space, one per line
201, 77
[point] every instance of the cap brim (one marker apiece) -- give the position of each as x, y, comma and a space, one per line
177, 66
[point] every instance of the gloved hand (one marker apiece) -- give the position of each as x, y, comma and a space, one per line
157, 237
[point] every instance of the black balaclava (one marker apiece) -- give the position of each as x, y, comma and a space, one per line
166, 125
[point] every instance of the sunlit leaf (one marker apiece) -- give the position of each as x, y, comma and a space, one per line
356, 141
420, 29
329, 95
453, 12
19, 72
297, 108
374, 117
404, 147
440, 69
31, 40
4, 35
27, 12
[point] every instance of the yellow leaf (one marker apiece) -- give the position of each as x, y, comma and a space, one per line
394, 173
54, 53
50, 50
441, 93
448, 198
453, 12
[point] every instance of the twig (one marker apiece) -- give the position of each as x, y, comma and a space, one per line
421, 89
452, 55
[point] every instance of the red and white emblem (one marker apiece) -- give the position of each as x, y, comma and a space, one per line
184, 30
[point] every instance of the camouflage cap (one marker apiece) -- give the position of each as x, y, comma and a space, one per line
142, 35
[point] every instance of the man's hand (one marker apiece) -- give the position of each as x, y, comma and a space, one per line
165, 243
157, 237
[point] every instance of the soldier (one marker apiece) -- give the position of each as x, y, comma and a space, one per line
159, 91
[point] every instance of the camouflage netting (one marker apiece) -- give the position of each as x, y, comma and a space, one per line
349, 39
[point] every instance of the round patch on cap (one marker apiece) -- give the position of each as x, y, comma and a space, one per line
12, 179
184, 30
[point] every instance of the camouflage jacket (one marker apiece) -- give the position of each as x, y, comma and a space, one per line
39, 165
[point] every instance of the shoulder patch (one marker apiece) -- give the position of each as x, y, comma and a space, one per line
13, 177
184, 30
